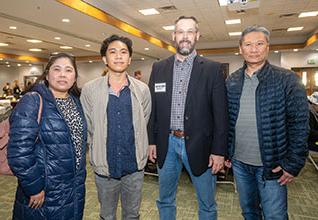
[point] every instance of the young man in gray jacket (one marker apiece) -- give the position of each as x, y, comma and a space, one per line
117, 109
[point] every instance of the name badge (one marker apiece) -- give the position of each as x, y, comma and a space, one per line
160, 87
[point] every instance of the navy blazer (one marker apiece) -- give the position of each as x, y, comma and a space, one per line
205, 115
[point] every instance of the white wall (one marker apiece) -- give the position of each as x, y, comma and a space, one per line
298, 59
89, 71
144, 66
236, 61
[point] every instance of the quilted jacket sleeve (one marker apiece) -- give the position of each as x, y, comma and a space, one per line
22, 152
297, 124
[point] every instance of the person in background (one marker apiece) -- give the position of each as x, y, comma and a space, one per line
16, 89
268, 114
138, 75
117, 108
7, 89
188, 122
48, 157
313, 122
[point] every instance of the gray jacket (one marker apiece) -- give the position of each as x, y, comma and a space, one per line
94, 98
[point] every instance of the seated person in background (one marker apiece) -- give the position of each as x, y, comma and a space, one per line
313, 122
7, 89
16, 89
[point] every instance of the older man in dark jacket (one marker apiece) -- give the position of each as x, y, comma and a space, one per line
268, 114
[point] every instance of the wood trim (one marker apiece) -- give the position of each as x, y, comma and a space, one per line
111, 20
23, 58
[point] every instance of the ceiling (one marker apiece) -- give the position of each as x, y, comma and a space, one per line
91, 21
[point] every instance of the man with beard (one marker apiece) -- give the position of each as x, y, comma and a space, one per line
188, 123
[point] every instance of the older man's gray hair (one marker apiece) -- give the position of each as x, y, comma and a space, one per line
255, 28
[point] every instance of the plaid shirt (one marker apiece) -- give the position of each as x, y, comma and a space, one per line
181, 77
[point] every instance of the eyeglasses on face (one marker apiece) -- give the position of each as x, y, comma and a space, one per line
188, 32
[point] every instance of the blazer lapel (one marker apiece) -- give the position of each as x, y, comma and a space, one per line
194, 78
168, 71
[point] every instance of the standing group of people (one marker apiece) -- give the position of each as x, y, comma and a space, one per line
255, 122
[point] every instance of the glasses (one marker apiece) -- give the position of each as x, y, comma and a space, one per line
188, 32
257, 44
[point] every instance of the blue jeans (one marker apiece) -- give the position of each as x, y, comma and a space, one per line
128, 188
259, 198
204, 184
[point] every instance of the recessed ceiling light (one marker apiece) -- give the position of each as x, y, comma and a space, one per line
18, 64
149, 11
308, 14
233, 21
295, 50
90, 61
34, 41
13, 27
8, 65
57, 38
146, 48
66, 20
201, 55
35, 49
27, 61
168, 27
3, 44
276, 51
295, 28
87, 45
222, 2
317, 49
235, 33
30, 64
142, 58
66, 47
236, 54
7, 62
1, 58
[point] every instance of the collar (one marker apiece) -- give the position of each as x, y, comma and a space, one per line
189, 59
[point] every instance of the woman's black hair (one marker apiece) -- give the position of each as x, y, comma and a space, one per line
74, 90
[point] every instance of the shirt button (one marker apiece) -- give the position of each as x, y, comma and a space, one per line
181, 68
179, 92
187, 137
178, 117
118, 126
186, 118
118, 113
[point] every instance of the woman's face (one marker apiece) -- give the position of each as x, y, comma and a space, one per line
61, 77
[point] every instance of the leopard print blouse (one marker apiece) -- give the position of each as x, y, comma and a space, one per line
75, 124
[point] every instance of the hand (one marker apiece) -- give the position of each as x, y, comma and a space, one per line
216, 163
285, 178
152, 153
228, 163
36, 201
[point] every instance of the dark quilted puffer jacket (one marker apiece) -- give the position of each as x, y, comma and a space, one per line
281, 115
43, 158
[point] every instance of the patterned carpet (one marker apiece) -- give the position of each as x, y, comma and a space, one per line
303, 198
